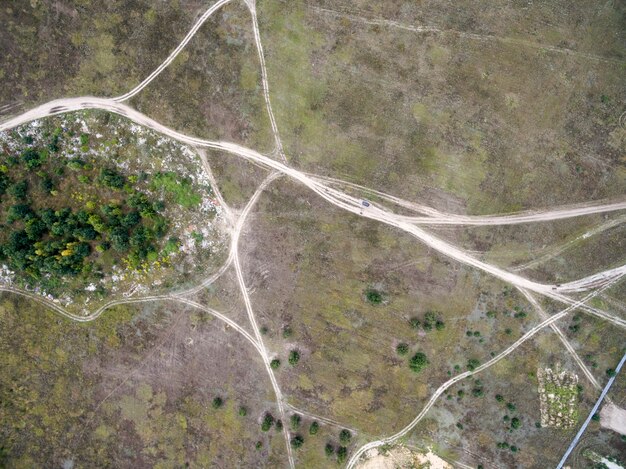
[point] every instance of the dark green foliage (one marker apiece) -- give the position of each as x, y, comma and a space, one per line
418, 362
511, 406
415, 323
287, 332
314, 428
297, 442
342, 454
111, 178
345, 436
279, 425
258, 445
294, 357
19, 190
515, 422
243, 411
472, 363
402, 348
477, 392
610, 372
595, 417
33, 158
217, 402
374, 296
295, 421
275, 363
329, 450
268, 421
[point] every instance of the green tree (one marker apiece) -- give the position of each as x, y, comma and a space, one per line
111, 178
345, 436
415, 323
314, 428
373, 296
329, 450
294, 357
268, 421
243, 411
515, 422
472, 364
418, 362
342, 454
297, 442
295, 421
19, 190
217, 402
402, 348
275, 363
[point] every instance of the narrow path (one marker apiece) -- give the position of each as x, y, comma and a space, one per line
393, 438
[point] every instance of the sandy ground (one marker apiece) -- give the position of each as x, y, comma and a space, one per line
613, 417
400, 457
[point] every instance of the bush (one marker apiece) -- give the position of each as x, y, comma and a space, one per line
418, 362
374, 296
295, 421
477, 392
342, 454
402, 349
243, 411
472, 364
511, 406
314, 428
294, 357
268, 421
345, 436
329, 449
217, 402
274, 364
499, 397
297, 442
440, 325
287, 332
111, 178
595, 417
415, 323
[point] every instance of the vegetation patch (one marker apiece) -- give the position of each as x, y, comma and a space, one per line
558, 397
89, 202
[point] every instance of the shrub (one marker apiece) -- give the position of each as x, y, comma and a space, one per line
596, 417
297, 442
267, 423
287, 332
111, 178
477, 392
472, 363
279, 425
217, 402
402, 348
499, 397
374, 296
243, 411
258, 445
440, 325
345, 436
275, 363
314, 428
329, 449
295, 421
511, 406
294, 357
418, 362
415, 323
342, 454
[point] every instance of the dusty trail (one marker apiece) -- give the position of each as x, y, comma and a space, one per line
337, 198
543, 315
599, 281
391, 439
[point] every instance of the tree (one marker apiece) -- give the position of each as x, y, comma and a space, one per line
32, 158
295, 421
611, 372
294, 357
243, 411
111, 178
297, 442
287, 332
279, 425
19, 190
329, 450
268, 421
440, 325
516, 423
345, 436
217, 402
314, 428
373, 296
342, 454
472, 363
511, 406
499, 397
402, 348
415, 323
274, 364
418, 362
